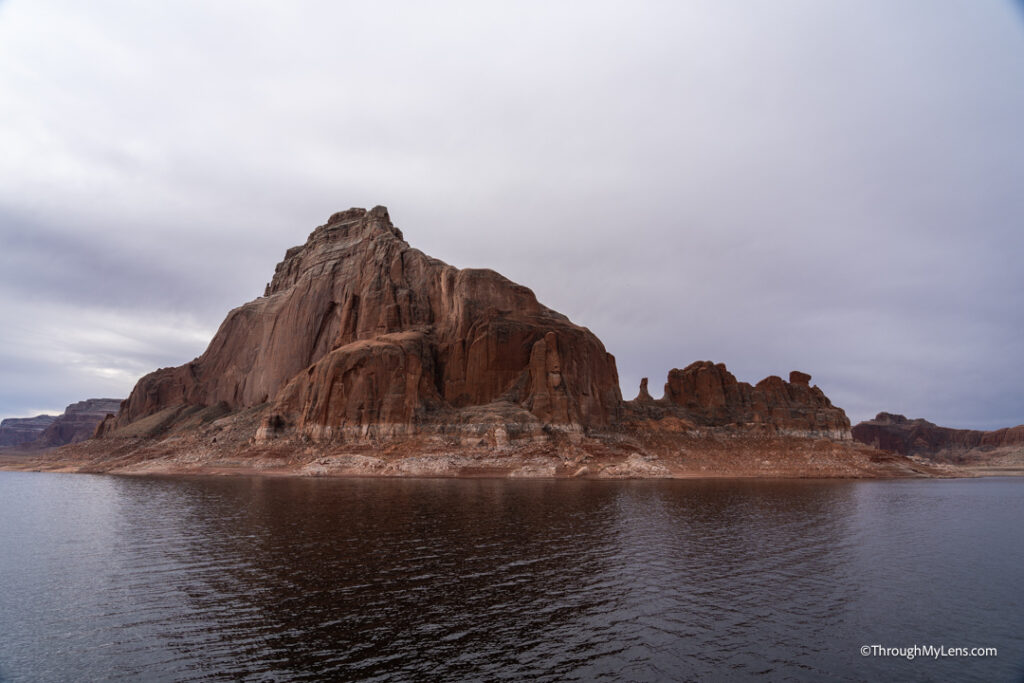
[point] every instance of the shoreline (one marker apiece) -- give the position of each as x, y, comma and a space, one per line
447, 466
640, 454
953, 472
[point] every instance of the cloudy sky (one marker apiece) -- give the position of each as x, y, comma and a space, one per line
831, 186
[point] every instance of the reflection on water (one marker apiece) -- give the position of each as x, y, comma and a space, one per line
274, 579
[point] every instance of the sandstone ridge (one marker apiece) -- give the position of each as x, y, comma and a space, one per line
364, 346
898, 434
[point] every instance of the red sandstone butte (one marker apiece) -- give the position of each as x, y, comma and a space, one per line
359, 331
366, 356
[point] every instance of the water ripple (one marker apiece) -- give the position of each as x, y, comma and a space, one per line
158, 579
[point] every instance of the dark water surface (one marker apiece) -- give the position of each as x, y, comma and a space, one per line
114, 578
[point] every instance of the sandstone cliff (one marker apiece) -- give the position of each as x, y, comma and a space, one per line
897, 434
366, 356
360, 334
16, 431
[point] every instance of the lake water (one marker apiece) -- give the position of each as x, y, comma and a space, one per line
227, 578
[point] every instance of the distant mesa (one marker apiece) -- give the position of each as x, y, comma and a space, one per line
16, 431
364, 345
898, 434
77, 423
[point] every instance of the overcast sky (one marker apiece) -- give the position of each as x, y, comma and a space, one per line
836, 187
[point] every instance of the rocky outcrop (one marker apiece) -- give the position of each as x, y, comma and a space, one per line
897, 434
643, 395
78, 422
707, 394
16, 431
365, 355
358, 332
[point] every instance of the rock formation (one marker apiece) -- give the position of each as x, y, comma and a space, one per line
366, 356
16, 431
78, 422
707, 394
359, 333
897, 434
643, 396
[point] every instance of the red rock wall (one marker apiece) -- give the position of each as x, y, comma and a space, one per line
356, 280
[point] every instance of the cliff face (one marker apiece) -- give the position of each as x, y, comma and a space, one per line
15, 431
707, 394
78, 422
357, 331
897, 434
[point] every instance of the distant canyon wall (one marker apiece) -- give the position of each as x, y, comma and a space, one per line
898, 434
77, 423
15, 431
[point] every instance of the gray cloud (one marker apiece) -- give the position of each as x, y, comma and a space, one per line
824, 186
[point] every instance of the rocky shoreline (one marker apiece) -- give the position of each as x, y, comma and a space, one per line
226, 446
523, 464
